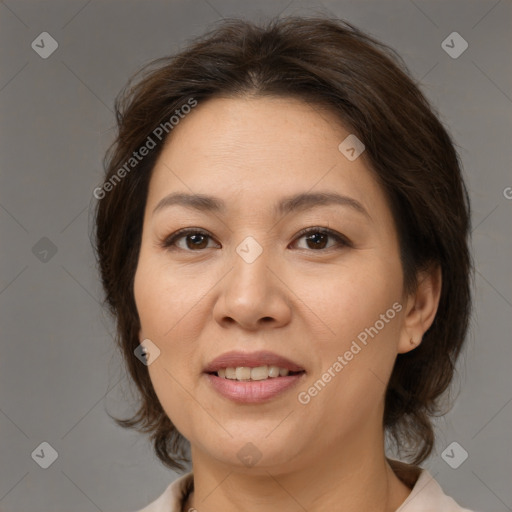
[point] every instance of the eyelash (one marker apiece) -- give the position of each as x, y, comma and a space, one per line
341, 241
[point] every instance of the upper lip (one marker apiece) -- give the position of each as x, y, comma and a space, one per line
235, 359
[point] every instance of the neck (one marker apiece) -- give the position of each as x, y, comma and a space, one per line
356, 478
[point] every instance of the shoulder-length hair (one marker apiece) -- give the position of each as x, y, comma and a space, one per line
329, 63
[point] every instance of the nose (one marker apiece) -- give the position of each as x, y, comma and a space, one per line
253, 296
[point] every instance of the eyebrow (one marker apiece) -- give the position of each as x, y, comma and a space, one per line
295, 203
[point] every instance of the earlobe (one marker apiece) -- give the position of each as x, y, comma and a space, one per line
421, 309
414, 342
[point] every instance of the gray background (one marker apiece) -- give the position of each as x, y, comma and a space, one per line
59, 370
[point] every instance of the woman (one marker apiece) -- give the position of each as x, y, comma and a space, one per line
283, 241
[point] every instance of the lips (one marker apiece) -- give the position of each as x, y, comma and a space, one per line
244, 388
236, 359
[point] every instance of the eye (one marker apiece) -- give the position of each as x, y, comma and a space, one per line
317, 238
192, 239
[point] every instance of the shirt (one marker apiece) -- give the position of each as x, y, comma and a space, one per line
426, 496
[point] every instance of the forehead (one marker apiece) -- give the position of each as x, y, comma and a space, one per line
266, 128
259, 149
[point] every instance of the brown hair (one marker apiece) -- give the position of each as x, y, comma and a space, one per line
330, 63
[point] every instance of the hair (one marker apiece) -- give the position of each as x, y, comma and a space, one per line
328, 63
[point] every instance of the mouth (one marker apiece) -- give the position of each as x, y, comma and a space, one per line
252, 377
258, 373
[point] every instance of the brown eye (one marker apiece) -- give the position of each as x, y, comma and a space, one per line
317, 239
196, 241
193, 240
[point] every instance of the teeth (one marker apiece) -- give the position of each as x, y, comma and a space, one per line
258, 373
273, 371
242, 373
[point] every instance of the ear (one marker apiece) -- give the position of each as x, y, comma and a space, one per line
421, 308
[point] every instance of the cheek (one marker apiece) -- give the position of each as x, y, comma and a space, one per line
170, 306
161, 296
362, 309
167, 319
170, 322
351, 299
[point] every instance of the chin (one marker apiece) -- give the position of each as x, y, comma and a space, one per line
255, 454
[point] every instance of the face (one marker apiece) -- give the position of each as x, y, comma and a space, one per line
247, 285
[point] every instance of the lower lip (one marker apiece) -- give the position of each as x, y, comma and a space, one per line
253, 391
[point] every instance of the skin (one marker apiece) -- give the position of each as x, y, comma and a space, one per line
302, 302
